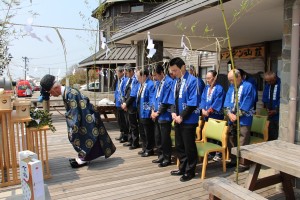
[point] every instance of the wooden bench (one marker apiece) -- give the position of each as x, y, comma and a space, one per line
222, 188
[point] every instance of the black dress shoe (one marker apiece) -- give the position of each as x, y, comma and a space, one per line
157, 160
76, 165
72, 160
147, 154
133, 147
141, 152
176, 173
164, 164
123, 140
127, 144
187, 177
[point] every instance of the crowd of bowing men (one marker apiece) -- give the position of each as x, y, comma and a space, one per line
149, 102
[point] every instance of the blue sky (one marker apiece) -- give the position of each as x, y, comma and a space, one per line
45, 56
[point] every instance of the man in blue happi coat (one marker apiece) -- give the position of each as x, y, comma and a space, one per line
144, 105
161, 113
186, 116
86, 131
246, 99
271, 100
129, 106
119, 93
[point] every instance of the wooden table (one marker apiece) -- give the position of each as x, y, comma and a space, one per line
279, 155
107, 109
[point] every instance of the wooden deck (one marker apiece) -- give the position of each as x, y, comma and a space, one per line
123, 176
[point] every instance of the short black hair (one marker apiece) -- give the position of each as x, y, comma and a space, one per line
242, 72
47, 82
144, 72
177, 61
159, 69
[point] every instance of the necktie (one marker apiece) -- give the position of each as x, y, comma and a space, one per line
178, 87
140, 91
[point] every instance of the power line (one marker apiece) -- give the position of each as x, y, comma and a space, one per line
25, 60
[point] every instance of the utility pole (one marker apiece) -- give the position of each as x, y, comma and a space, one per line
25, 60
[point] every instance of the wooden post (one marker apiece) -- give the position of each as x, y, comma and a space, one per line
46, 105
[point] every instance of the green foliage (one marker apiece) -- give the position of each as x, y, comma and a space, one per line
101, 10
40, 118
207, 30
78, 78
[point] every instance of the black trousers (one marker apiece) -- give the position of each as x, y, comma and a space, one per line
148, 139
133, 135
157, 136
166, 142
122, 122
273, 130
186, 147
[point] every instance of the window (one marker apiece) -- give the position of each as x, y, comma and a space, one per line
204, 71
137, 8
125, 8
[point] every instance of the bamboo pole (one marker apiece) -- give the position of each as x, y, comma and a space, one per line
235, 90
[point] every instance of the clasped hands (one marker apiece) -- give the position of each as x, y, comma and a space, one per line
177, 118
124, 107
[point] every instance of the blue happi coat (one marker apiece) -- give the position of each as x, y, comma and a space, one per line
86, 131
275, 97
119, 90
134, 89
187, 97
246, 98
161, 96
213, 100
146, 98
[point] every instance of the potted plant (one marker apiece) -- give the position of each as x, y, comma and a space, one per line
40, 119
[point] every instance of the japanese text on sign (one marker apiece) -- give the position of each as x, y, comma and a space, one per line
249, 52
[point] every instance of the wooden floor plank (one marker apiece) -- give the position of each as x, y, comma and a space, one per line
125, 175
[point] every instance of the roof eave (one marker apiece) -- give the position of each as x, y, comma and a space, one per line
160, 18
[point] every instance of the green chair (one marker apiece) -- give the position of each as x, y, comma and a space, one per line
263, 112
217, 130
199, 129
259, 126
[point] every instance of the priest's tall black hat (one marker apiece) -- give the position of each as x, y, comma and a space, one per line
47, 82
